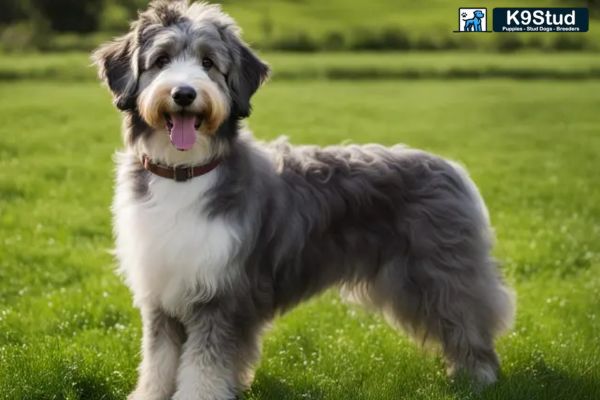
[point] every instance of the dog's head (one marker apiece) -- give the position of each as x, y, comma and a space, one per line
478, 14
183, 69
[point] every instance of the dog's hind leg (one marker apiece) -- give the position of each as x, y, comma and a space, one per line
462, 309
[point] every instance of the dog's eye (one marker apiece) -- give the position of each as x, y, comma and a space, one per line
162, 61
207, 63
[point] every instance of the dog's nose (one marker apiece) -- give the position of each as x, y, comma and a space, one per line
183, 95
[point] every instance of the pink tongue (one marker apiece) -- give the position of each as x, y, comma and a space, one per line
183, 132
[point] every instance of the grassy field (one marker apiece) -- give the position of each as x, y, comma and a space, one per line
76, 66
67, 326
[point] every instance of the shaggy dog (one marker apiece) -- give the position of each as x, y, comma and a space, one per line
216, 234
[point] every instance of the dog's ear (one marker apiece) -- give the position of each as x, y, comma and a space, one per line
117, 66
247, 73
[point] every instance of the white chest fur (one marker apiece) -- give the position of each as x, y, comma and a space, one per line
171, 252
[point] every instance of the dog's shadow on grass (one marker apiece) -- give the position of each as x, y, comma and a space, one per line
538, 382
267, 387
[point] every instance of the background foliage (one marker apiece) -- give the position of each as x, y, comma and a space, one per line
291, 25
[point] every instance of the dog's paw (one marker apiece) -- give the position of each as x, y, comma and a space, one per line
135, 396
204, 395
479, 376
146, 395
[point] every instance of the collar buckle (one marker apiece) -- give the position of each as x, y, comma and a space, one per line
182, 174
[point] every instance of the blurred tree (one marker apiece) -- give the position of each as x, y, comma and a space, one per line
117, 14
70, 15
13, 11
132, 6
594, 6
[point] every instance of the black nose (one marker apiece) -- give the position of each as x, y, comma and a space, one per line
183, 95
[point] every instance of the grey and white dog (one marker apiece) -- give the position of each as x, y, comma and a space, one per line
212, 260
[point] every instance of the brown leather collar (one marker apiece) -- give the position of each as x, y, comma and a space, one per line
179, 174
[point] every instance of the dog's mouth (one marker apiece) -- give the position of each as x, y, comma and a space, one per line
182, 129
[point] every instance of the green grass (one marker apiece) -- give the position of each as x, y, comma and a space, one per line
67, 326
344, 65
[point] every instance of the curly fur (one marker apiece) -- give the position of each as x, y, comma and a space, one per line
213, 260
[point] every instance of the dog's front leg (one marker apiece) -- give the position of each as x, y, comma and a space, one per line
208, 366
161, 348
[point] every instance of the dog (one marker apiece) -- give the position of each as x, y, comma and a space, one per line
474, 24
218, 233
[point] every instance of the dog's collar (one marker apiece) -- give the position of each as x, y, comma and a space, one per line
178, 174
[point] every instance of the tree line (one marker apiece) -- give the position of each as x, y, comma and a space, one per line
82, 16
86, 16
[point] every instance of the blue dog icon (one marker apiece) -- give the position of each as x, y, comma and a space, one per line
474, 24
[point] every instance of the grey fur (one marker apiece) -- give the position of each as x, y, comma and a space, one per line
400, 230
161, 346
116, 67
